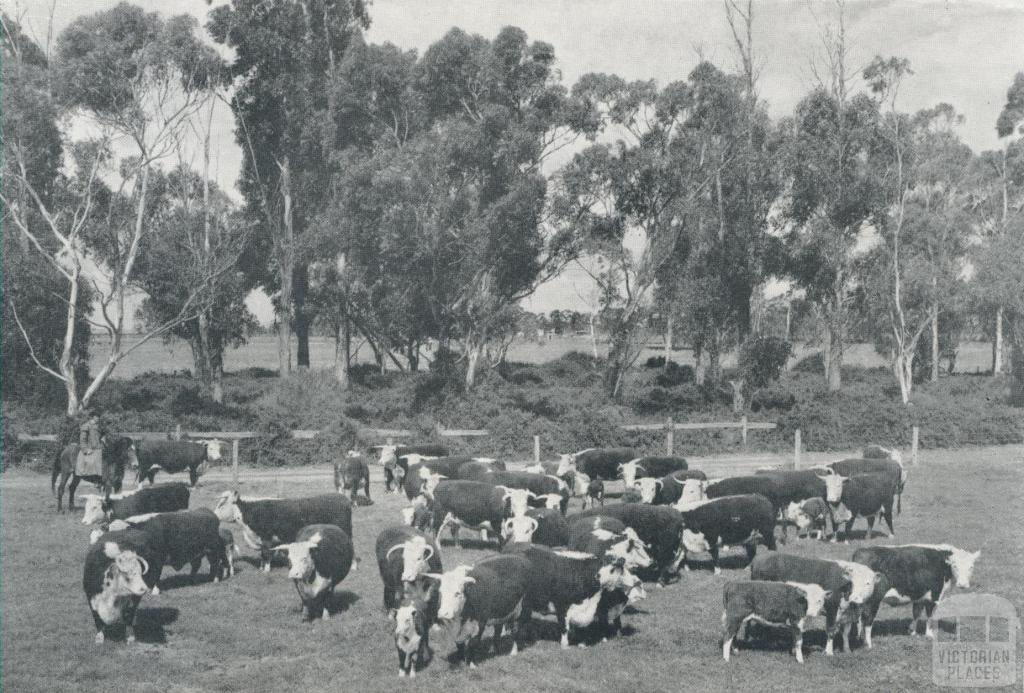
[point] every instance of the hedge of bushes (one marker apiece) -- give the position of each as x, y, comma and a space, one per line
562, 401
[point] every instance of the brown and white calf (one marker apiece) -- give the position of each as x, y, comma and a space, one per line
775, 603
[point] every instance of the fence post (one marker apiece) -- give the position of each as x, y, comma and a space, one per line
796, 449
536, 449
744, 431
234, 462
177, 432
670, 434
913, 446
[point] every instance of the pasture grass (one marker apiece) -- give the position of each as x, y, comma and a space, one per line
245, 634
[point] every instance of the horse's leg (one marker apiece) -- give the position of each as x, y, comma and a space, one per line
71, 490
60, 490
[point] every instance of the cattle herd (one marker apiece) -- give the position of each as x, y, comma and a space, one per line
586, 568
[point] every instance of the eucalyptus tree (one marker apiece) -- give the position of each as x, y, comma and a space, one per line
285, 56
130, 80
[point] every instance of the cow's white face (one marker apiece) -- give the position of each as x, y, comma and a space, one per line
566, 463
610, 576
453, 592
815, 595
387, 454
430, 481
407, 639
693, 491
648, 488
300, 557
795, 514
519, 529
227, 509
862, 578
519, 499
962, 563
416, 458
94, 536
212, 449
93, 510
630, 549
126, 572
834, 487
416, 554
628, 472
408, 516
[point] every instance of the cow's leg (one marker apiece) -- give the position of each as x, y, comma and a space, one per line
847, 627
918, 608
798, 642
194, 566
831, 628
887, 514
732, 627
193, 476
366, 485
714, 559
60, 490
929, 608
751, 549
98, 622
403, 662
71, 490
130, 610
563, 628
848, 529
499, 629
871, 526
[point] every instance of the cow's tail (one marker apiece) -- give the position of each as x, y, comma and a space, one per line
899, 499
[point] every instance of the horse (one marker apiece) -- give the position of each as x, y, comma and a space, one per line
118, 453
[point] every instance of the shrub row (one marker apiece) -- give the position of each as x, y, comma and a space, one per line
561, 401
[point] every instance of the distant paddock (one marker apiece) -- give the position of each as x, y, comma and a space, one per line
261, 352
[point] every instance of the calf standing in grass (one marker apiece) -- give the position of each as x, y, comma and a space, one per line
775, 603
864, 495
351, 473
811, 515
413, 619
320, 557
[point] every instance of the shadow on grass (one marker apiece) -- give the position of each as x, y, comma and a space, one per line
150, 623
340, 601
734, 560
180, 580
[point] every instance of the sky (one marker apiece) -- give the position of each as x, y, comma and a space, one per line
964, 52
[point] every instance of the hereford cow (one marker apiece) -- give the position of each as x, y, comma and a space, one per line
174, 456
159, 498
728, 521
777, 603
919, 574
320, 558
597, 463
403, 554
117, 573
268, 522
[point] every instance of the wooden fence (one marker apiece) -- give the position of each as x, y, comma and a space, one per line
389, 434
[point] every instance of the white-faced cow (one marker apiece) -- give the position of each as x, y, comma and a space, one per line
351, 473
390, 454
920, 574
320, 558
864, 495
403, 554
414, 616
570, 582
174, 456
159, 498
829, 575
653, 467
471, 504
268, 522
776, 603
596, 463
809, 516
658, 526
746, 520
546, 526
490, 593
117, 574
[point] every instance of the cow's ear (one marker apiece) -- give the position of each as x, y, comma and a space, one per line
314, 541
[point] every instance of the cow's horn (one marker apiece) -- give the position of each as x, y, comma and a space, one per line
396, 547
659, 482
535, 524
429, 551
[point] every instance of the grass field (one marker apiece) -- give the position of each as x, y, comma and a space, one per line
261, 352
245, 634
